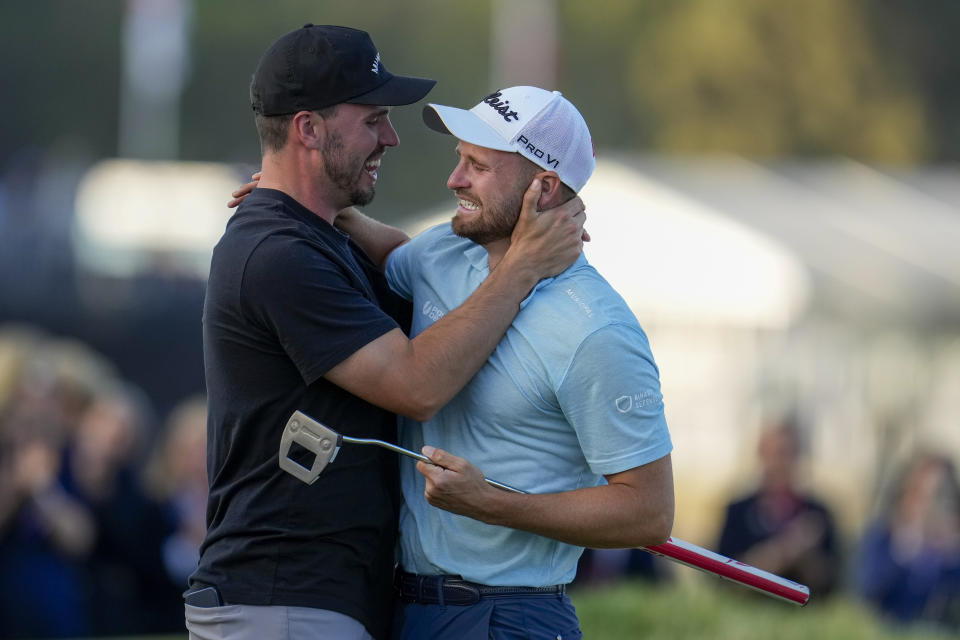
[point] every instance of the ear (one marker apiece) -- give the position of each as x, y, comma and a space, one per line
550, 191
308, 129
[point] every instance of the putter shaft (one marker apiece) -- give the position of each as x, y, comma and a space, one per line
420, 457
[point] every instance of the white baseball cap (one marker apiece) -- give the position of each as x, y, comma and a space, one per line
540, 125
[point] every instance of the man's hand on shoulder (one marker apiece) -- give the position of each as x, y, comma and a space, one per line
244, 190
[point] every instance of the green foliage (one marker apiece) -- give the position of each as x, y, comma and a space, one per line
796, 77
870, 79
61, 75
709, 610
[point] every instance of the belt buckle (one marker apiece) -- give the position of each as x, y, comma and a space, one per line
460, 593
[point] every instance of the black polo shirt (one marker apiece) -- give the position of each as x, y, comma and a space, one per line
289, 297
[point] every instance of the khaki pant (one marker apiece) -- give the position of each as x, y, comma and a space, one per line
249, 622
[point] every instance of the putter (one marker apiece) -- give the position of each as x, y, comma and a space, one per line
325, 443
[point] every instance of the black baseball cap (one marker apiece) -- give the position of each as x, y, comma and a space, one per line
318, 66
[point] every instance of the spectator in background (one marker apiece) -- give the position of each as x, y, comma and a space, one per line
102, 468
908, 566
177, 478
778, 527
80, 540
45, 533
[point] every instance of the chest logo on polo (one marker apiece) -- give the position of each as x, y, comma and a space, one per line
432, 311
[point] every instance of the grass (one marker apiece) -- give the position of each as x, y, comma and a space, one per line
714, 611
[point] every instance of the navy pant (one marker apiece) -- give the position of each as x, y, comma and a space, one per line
547, 617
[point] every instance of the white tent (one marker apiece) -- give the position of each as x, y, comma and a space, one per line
130, 211
676, 260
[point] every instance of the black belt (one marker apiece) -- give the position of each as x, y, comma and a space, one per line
454, 590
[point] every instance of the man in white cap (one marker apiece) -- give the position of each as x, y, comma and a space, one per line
567, 408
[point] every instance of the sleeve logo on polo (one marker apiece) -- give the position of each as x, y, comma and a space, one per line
625, 404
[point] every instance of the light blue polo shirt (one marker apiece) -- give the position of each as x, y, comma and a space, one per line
571, 394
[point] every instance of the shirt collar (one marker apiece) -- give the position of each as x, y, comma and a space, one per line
480, 261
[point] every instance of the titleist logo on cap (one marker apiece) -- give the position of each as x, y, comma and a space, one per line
501, 107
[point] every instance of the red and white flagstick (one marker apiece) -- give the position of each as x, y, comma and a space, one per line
710, 562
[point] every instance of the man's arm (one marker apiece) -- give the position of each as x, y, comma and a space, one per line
417, 377
376, 239
635, 508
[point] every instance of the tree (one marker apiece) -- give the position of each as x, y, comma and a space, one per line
796, 77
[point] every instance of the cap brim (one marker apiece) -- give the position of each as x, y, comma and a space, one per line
397, 91
465, 125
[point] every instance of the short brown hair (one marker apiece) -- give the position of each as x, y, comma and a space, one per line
273, 129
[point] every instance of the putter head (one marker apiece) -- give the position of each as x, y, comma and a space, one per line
313, 436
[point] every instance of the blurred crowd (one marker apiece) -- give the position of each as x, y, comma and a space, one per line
905, 565
102, 510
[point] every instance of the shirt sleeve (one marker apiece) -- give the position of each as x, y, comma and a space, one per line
399, 269
611, 396
404, 264
321, 309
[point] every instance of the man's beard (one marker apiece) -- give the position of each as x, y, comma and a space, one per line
345, 173
495, 220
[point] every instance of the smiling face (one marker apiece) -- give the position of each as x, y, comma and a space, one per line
489, 185
357, 138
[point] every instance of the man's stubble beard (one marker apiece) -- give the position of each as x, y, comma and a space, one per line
495, 221
338, 170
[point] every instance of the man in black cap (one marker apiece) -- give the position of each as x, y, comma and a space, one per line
298, 317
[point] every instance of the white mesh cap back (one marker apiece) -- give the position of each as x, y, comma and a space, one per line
557, 138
